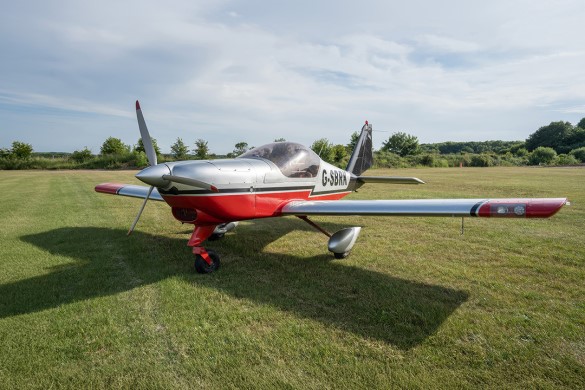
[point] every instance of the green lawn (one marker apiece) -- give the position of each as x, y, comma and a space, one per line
416, 305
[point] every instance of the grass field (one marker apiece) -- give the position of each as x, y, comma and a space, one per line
416, 305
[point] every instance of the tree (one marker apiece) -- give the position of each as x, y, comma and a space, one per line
355, 136
240, 148
339, 153
179, 150
21, 150
81, 156
542, 156
402, 144
114, 146
139, 147
279, 140
581, 123
556, 135
201, 150
324, 149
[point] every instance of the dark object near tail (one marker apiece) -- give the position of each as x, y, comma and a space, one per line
362, 157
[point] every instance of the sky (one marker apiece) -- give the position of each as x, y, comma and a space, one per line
228, 71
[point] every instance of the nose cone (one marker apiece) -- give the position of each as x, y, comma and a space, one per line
154, 175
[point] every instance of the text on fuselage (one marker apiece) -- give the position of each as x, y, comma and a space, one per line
334, 178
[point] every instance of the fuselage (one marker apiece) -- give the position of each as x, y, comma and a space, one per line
252, 186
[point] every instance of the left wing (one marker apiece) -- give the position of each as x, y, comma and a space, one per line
131, 190
510, 208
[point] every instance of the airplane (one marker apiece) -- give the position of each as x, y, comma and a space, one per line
287, 178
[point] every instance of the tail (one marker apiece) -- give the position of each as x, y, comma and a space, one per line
362, 157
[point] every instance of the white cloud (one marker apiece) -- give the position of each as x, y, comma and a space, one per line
445, 44
230, 71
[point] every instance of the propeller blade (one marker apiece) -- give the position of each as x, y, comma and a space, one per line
146, 141
140, 212
191, 182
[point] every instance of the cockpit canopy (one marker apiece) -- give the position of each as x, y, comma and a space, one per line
293, 160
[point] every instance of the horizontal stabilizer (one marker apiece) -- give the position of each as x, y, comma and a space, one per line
389, 180
130, 190
503, 208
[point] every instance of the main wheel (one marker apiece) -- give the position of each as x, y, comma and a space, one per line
201, 265
341, 255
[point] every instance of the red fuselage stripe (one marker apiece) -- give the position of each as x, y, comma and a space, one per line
242, 206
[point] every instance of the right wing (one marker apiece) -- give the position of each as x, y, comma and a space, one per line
131, 190
510, 208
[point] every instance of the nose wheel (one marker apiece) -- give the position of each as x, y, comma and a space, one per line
206, 260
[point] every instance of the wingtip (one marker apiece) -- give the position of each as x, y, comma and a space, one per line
137, 105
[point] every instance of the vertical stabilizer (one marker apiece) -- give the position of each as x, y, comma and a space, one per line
362, 157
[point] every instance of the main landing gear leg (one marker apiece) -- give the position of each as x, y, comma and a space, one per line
206, 260
341, 242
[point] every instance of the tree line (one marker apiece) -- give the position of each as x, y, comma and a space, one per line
559, 143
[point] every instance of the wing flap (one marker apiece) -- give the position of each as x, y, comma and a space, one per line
130, 190
507, 208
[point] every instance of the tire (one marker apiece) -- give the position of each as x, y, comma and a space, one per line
201, 265
341, 255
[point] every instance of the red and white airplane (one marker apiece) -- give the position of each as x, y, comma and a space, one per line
287, 178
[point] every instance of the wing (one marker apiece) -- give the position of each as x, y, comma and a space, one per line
511, 208
131, 190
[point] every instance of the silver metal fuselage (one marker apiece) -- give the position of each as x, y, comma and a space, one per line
247, 187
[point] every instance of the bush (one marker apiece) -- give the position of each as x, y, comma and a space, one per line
440, 163
567, 159
81, 156
511, 160
140, 159
579, 154
428, 160
522, 152
384, 159
542, 156
481, 160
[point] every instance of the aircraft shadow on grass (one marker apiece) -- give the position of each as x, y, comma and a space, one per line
367, 303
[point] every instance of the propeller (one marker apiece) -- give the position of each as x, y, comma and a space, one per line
146, 141
150, 154
155, 174
140, 212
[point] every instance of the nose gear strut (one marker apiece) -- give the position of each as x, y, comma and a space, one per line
206, 260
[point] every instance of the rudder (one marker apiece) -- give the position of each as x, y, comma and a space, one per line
362, 157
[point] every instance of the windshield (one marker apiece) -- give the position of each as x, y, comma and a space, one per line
293, 160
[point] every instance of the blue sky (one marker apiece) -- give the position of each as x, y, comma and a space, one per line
230, 71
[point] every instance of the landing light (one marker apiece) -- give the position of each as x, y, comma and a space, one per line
508, 210
519, 210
